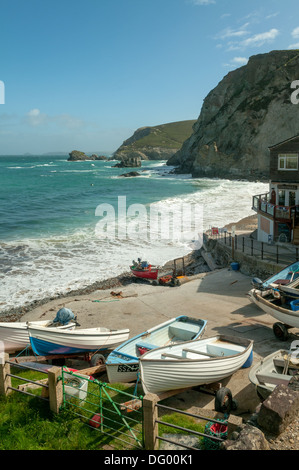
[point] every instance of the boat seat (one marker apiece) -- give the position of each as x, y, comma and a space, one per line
273, 378
279, 362
199, 352
143, 344
183, 331
174, 356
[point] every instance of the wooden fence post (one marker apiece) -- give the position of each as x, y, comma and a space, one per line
150, 415
5, 379
55, 389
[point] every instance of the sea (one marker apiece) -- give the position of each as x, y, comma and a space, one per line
65, 225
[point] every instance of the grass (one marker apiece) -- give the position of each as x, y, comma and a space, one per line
26, 422
170, 135
183, 421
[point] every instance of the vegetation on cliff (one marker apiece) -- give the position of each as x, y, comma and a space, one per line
157, 142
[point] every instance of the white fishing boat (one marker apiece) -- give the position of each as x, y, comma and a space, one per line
275, 369
283, 278
194, 363
286, 314
14, 335
47, 341
122, 364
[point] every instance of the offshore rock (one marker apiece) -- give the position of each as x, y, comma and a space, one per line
77, 155
130, 174
133, 160
248, 111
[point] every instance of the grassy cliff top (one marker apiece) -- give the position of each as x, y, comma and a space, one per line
170, 135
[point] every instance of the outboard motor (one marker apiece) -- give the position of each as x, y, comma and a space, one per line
257, 283
64, 316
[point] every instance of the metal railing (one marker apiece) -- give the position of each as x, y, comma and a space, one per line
262, 202
273, 252
106, 409
39, 384
214, 438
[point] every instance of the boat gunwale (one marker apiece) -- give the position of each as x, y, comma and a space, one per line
231, 339
77, 333
266, 302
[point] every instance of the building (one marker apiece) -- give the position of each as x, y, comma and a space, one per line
278, 210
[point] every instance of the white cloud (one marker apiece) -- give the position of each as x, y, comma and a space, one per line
273, 15
237, 62
261, 38
240, 60
294, 46
203, 2
295, 33
35, 118
233, 33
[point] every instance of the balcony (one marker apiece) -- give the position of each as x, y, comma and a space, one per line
261, 203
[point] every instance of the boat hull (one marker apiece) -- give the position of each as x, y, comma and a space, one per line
146, 273
122, 365
14, 335
50, 342
160, 375
265, 375
283, 315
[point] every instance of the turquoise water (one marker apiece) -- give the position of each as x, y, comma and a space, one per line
50, 241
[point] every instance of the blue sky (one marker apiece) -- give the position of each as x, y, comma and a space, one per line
86, 74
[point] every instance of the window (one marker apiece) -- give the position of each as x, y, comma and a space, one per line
288, 161
292, 198
281, 197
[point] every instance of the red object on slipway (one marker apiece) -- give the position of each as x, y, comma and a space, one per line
145, 273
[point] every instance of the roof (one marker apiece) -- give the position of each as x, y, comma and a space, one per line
285, 141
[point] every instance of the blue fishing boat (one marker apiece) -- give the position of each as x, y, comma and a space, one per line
122, 364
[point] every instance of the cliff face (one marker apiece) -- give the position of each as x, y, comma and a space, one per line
248, 111
155, 143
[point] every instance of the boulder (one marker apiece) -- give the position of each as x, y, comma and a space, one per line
249, 438
278, 410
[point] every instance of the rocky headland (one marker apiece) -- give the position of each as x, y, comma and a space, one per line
155, 143
77, 155
248, 111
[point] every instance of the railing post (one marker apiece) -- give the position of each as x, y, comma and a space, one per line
55, 389
262, 251
243, 244
150, 416
276, 254
5, 379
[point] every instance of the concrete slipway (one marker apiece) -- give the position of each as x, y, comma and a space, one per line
218, 296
